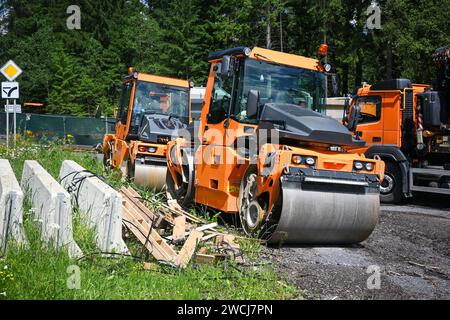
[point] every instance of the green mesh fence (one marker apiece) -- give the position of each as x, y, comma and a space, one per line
74, 130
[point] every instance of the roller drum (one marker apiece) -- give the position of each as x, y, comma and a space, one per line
324, 216
152, 176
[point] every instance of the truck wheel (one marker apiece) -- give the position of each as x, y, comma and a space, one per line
184, 193
391, 186
251, 211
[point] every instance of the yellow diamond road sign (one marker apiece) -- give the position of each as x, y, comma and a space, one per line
11, 70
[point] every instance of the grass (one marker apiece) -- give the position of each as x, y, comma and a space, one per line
40, 272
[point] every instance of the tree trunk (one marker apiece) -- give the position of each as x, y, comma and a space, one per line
389, 61
268, 30
345, 79
359, 70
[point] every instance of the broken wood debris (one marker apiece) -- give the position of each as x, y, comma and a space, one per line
188, 249
164, 228
179, 228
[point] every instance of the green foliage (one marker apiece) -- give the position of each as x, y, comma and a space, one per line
72, 70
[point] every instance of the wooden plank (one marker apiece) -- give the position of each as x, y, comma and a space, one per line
229, 238
201, 228
150, 266
173, 205
188, 249
137, 213
139, 205
209, 236
207, 226
219, 240
229, 241
202, 258
135, 196
130, 198
154, 248
179, 229
154, 235
155, 244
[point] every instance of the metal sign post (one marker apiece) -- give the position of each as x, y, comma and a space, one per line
7, 125
10, 90
14, 109
15, 128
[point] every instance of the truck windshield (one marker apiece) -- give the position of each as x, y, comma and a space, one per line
279, 84
162, 99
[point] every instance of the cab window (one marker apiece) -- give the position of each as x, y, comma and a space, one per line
278, 84
125, 101
220, 99
370, 109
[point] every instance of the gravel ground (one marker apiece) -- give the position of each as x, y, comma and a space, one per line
410, 246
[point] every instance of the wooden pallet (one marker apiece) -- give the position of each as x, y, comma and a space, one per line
160, 230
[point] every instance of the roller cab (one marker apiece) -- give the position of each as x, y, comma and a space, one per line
152, 110
265, 151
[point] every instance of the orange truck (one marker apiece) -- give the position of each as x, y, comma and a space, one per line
152, 109
408, 126
265, 152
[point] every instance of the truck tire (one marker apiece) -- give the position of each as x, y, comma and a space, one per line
391, 186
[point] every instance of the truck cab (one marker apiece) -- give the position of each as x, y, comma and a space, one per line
407, 125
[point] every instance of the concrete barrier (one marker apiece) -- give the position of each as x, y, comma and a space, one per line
51, 206
101, 205
11, 200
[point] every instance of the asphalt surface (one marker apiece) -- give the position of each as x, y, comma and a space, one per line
409, 250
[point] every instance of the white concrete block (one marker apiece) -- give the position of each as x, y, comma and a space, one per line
101, 205
51, 206
11, 200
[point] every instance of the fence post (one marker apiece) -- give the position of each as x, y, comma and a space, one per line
64, 130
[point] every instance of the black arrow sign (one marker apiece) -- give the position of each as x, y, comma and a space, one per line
11, 90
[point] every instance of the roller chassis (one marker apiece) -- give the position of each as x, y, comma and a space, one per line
273, 174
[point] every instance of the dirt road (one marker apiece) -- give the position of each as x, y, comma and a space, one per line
410, 247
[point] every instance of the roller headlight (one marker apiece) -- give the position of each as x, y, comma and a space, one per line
297, 159
358, 165
151, 150
310, 161
369, 166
